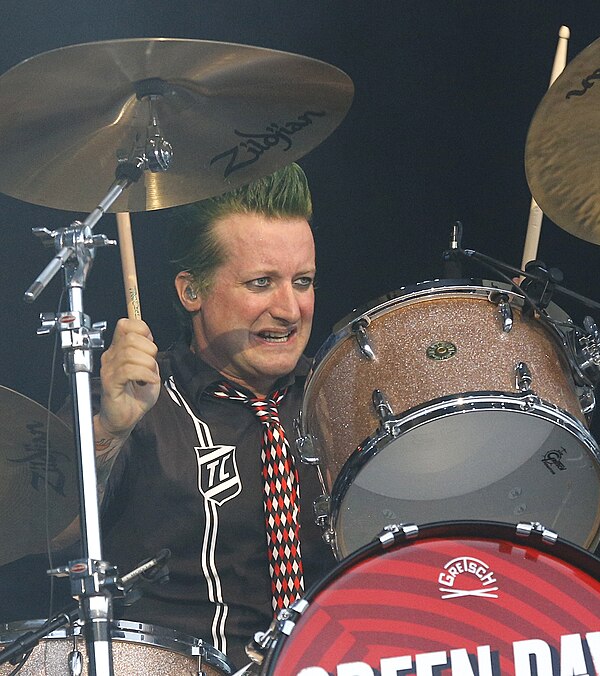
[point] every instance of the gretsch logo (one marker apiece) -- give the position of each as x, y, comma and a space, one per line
254, 145
467, 576
553, 460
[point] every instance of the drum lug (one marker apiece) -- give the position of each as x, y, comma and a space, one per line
528, 529
305, 445
199, 652
258, 646
359, 328
321, 511
263, 641
529, 402
306, 450
523, 378
383, 409
587, 401
387, 417
328, 537
75, 663
504, 308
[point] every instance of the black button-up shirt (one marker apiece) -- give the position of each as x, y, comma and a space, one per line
189, 479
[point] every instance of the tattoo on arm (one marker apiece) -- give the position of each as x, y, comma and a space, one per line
103, 445
107, 450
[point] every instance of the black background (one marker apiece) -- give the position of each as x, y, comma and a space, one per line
445, 92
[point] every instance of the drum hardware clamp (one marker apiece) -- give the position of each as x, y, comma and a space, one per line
396, 531
284, 623
590, 344
583, 351
528, 529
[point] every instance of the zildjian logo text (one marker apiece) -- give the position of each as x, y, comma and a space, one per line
586, 83
254, 146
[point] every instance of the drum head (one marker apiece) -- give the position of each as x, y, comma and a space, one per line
463, 599
477, 457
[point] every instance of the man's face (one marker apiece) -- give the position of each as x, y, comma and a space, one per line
254, 322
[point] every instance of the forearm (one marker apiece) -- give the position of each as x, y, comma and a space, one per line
107, 446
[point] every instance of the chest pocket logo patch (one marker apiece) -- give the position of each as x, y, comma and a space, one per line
218, 477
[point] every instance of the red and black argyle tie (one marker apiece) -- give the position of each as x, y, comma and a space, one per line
281, 499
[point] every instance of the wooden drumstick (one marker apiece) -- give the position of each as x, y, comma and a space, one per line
534, 225
132, 297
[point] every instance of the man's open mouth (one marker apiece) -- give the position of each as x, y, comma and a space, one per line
276, 336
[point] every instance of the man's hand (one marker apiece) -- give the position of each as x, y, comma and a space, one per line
130, 380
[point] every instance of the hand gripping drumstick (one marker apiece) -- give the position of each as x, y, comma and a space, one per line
534, 225
132, 297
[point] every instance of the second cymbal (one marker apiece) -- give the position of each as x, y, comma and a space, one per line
562, 154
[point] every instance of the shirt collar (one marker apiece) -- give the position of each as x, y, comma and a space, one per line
194, 375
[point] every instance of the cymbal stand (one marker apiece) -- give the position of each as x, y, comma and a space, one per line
531, 273
93, 580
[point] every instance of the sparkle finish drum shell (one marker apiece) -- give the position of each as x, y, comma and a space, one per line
464, 440
137, 649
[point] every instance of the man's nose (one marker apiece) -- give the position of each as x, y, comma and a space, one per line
285, 304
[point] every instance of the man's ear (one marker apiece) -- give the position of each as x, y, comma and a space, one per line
186, 290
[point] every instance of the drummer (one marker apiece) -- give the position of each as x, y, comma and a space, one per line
186, 434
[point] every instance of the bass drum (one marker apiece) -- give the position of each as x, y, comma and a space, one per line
460, 599
137, 649
446, 402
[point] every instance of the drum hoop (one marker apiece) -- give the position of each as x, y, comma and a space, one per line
443, 407
127, 631
563, 550
436, 286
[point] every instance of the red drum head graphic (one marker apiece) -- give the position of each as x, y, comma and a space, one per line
460, 599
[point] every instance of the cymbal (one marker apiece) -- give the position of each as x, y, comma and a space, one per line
232, 113
23, 471
562, 153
